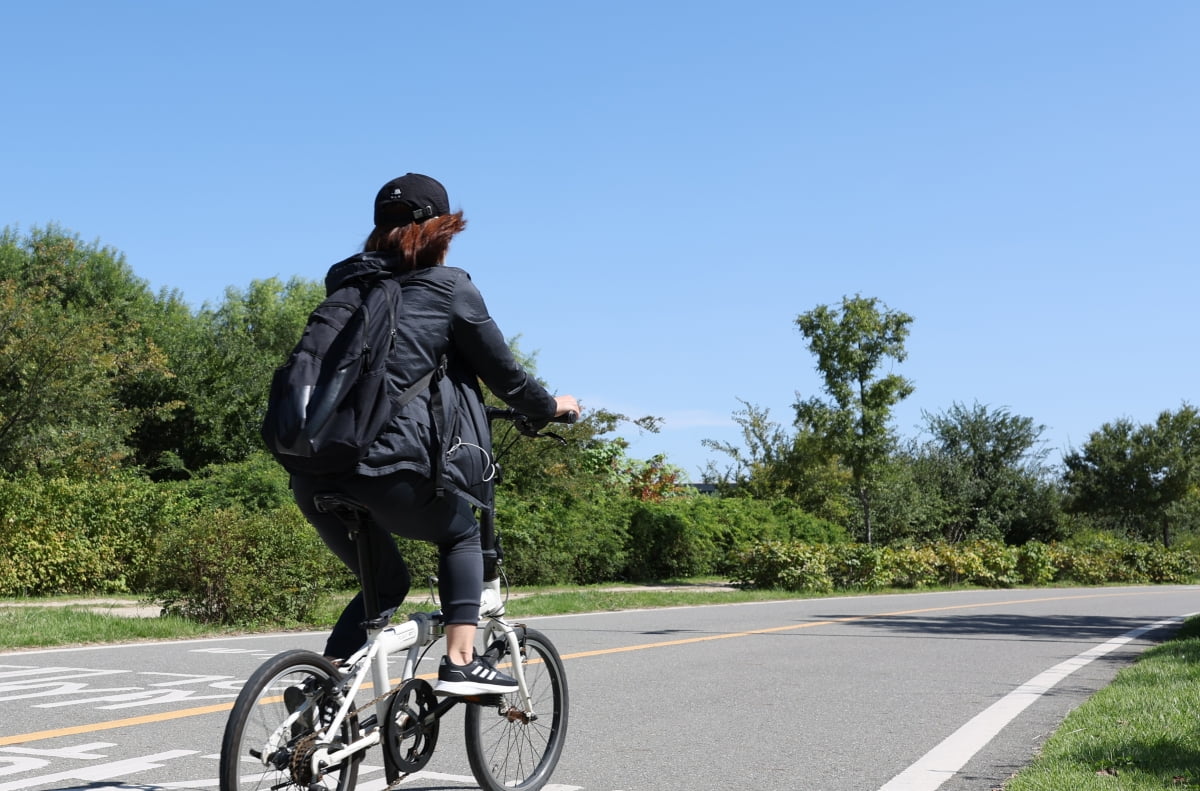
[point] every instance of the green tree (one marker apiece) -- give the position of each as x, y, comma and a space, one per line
987, 468
773, 462
223, 358
1138, 479
851, 345
72, 349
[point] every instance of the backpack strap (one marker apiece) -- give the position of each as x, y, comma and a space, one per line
441, 406
418, 387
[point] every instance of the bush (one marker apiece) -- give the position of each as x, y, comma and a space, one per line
699, 535
232, 567
257, 483
1035, 563
792, 566
859, 566
82, 536
565, 541
1093, 560
665, 543
1096, 558
912, 567
997, 567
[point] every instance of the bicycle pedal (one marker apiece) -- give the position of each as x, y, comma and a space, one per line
484, 700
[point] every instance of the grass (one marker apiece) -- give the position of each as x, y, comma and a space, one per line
43, 627
600, 599
1139, 733
44, 623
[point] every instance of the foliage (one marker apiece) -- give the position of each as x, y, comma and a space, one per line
851, 344
699, 535
788, 565
561, 539
71, 347
1139, 479
126, 416
223, 358
1102, 559
62, 535
257, 483
987, 466
227, 566
777, 464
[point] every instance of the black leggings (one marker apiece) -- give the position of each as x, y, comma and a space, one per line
404, 504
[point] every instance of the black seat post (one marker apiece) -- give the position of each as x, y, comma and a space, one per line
360, 534
356, 519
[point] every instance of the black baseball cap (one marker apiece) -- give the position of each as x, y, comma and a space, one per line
410, 198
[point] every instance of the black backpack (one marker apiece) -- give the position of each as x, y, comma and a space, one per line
332, 397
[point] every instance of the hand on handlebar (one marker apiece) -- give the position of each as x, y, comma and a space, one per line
567, 406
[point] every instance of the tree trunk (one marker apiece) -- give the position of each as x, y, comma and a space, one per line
865, 500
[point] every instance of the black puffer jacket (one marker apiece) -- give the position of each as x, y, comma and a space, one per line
444, 314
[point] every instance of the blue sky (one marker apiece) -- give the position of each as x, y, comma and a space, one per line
656, 190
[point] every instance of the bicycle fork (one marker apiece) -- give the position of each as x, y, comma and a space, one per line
511, 634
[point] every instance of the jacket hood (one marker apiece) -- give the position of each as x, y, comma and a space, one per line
360, 265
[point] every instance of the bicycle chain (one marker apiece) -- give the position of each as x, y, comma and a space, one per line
299, 765
395, 783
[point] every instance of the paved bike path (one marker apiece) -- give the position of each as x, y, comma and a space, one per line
840, 693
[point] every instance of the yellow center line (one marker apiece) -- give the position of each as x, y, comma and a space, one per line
165, 716
830, 622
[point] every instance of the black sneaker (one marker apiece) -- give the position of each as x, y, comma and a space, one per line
477, 678
293, 699
296, 697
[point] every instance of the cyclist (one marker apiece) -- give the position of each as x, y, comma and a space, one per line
425, 471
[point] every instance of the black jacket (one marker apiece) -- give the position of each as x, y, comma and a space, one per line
444, 314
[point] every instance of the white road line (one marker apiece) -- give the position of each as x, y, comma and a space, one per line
942, 762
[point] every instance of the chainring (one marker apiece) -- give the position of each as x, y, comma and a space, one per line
409, 731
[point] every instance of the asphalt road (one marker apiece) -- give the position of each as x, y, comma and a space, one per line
916, 692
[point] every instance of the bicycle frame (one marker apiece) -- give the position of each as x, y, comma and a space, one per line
411, 637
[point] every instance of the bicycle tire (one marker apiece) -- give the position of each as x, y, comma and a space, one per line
260, 710
505, 751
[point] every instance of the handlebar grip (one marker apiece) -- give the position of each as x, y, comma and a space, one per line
566, 417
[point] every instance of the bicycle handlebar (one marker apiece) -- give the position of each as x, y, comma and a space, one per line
530, 427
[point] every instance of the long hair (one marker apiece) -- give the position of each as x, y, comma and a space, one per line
422, 244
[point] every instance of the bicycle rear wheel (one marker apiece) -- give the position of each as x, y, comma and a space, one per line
257, 752
508, 750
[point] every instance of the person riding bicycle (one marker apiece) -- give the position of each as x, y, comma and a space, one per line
424, 473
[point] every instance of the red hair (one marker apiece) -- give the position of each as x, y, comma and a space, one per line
423, 244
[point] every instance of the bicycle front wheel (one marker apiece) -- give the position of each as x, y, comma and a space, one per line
506, 748
260, 752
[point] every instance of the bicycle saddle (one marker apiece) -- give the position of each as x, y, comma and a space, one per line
331, 502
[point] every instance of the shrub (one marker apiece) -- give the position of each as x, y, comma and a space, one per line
1035, 563
84, 535
792, 566
232, 567
1176, 566
998, 564
257, 483
665, 543
911, 567
565, 541
700, 535
859, 566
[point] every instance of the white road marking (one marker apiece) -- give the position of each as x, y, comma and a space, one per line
97, 772
943, 761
